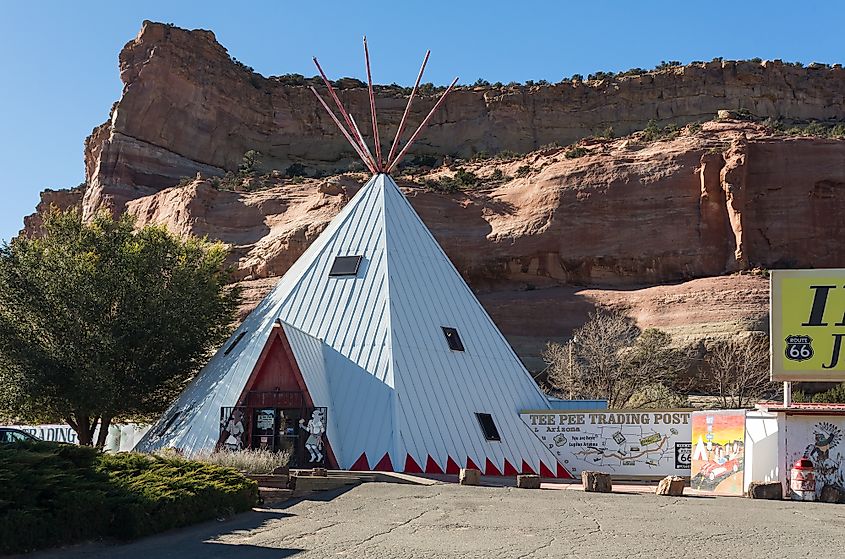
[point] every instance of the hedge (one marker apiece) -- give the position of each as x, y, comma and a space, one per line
53, 494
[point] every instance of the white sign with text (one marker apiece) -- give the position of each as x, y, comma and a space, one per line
622, 442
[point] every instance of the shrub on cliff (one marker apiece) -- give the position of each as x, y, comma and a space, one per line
60, 494
100, 321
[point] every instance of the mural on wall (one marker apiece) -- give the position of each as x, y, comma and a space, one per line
315, 428
819, 440
232, 429
718, 456
622, 442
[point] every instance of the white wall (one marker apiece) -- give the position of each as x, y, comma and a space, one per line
121, 438
762, 435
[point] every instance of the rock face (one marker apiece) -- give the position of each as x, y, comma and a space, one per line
652, 227
187, 106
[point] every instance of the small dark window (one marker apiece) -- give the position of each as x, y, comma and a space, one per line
233, 344
488, 426
453, 338
345, 266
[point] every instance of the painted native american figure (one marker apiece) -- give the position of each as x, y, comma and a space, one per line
315, 429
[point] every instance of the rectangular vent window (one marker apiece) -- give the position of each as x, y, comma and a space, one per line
488, 426
453, 339
345, 266
234, 343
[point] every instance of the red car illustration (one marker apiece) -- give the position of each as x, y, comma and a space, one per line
712, 470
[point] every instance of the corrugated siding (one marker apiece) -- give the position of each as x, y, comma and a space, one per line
371, 349
221, 381
440, 390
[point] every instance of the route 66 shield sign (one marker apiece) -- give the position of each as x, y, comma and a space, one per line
799, 348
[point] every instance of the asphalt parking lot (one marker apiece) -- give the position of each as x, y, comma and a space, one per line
401, 521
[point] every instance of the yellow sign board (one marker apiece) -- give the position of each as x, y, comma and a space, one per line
807, 313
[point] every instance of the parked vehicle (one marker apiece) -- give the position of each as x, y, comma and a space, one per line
11, 435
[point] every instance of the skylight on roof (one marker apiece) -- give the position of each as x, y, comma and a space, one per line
345, 266
453, 339
488, 426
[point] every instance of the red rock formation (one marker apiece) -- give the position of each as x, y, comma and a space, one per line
188, 107
623, 218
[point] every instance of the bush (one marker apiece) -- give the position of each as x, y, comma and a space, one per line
523, 170
59, 494
835, 395
575, 152
653, 132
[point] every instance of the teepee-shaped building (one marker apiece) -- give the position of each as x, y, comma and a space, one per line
375, 329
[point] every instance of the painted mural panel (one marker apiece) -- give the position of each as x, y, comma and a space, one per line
638, 443
820, 439
718, 455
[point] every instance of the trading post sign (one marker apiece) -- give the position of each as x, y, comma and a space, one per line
808, 325
638, 443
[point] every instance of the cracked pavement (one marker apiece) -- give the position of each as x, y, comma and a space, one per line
440, 521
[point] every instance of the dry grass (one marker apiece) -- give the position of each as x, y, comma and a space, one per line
247, 461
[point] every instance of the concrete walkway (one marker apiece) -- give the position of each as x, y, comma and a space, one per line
402, 521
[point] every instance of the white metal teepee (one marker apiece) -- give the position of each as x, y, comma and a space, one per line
374, 327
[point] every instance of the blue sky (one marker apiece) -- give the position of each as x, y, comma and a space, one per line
60, 75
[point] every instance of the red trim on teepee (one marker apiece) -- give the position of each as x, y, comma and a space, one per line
490, 469
452, 467
563, 473
361, 464
545, 471
384, 465
526, 469
471, 465
411, 466
509, 469
431, 467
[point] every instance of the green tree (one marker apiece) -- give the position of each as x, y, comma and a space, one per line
100, 321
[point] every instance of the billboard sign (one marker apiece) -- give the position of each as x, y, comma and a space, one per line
637, 443
807, 311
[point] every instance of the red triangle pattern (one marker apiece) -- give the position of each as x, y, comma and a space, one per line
431, 467
509, 469
452, 467
361, 464
545, 471
384, 465
563, 473
471, 465
526, 469
490, 469
411, 466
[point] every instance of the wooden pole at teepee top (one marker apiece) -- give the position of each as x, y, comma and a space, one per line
379, 160
371, 163
421, 126
361, 137
407, 110
349, 139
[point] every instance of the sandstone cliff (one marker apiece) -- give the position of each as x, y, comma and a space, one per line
187, 106
544, 238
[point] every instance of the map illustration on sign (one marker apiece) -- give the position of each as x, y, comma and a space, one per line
629, 442
614, 447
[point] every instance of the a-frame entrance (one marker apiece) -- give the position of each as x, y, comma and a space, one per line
276, 412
